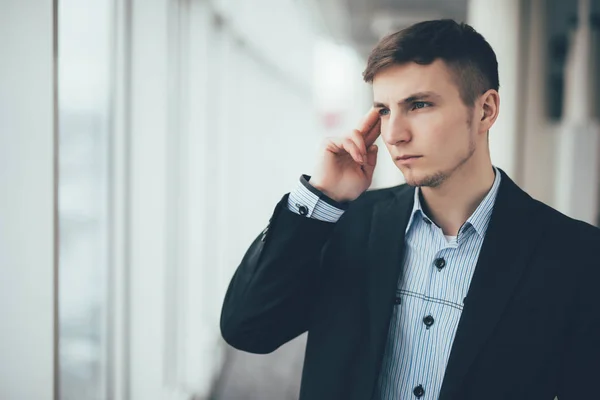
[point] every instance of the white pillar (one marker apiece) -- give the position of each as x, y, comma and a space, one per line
499, 21
539, 138
148, 219
579, 137
28, 208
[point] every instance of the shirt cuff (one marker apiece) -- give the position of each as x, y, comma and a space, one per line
312, 203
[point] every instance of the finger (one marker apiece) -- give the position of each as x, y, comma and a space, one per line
344, 145
357, 138
372, 155
373, 134
369, 167
338, 145
353, 150
334, 145
368, 121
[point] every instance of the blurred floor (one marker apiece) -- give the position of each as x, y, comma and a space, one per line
274, 376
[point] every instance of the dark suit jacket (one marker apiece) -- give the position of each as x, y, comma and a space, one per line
530, 327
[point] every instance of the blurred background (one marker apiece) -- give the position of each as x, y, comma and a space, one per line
144, 145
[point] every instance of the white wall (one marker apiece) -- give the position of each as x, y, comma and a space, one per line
27, 201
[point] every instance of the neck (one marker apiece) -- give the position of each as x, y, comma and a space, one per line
454, 201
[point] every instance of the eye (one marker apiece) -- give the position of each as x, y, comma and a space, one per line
420, 104
383, 111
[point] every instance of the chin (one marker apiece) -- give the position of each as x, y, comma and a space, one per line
422, 179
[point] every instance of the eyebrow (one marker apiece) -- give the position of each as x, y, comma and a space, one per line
412, 98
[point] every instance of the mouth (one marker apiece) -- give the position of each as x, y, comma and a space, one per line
407, 159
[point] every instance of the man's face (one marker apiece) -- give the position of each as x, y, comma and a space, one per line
423, 115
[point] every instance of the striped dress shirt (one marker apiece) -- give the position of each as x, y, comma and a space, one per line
437, 272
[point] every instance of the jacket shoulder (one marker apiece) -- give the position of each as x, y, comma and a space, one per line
573, 232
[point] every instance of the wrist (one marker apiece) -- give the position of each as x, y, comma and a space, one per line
327, 192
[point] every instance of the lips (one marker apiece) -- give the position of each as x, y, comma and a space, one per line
407, 157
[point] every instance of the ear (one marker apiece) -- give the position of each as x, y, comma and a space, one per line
489, 107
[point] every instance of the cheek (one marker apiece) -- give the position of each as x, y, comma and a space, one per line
442, 136
430, 128
383, 124
444, 128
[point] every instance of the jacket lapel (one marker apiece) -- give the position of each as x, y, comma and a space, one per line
385, 253
507, 247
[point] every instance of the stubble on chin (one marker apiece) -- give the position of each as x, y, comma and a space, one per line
432, 180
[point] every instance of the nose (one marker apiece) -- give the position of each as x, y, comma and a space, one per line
395, 130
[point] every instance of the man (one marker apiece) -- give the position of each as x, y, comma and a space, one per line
457, 285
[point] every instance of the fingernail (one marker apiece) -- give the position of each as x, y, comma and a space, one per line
361, 159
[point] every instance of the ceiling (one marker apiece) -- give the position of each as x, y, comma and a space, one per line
361, 23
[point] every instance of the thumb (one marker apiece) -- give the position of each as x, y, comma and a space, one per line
369, 166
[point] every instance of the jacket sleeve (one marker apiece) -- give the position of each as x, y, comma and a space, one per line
270, 297
581, 366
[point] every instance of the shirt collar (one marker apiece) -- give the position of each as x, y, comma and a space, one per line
480, 219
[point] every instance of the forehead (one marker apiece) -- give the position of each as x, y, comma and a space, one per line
403, 80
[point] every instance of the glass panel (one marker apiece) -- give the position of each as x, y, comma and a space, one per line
84, 59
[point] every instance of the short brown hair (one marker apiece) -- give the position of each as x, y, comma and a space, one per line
469, 56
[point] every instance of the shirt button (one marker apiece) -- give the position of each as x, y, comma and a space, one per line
397, 300
419, 391
302, 210
440, 263
428, 321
